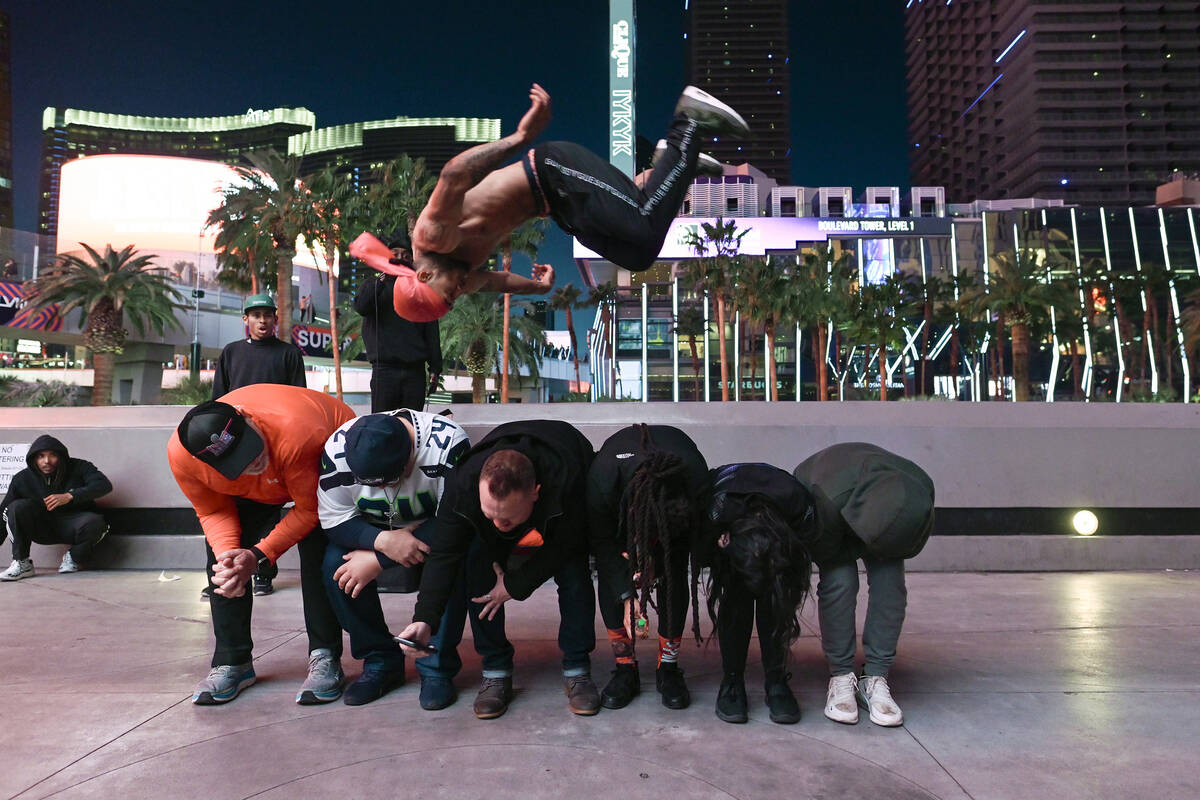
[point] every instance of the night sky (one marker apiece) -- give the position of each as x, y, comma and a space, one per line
355, 61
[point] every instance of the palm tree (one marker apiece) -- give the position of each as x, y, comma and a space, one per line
566, 298
689, 322
715, 274
926, 293
525, 239
1018, 289
762, 294
325, 194
269, 200
823, 291
604, 296
244, 254
107, 289
877, 320
400, 190
472, 333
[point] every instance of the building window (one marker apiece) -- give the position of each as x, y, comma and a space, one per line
927, 207
731, 204
787, 207
835, 207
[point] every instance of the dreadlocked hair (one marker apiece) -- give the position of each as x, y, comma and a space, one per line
656, 511
765, 557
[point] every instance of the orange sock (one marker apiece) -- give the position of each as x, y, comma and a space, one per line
622, 646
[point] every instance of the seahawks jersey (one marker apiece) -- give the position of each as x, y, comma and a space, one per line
439, 444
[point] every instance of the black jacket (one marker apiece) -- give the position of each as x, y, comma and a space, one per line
828, 541
560, 456
74, 475
249, 361
390, 339
619, 457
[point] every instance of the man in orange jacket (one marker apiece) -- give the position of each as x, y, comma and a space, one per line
238, 459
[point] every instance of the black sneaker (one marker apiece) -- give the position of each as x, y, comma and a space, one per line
263, 585
625, 685
711, 114
731, 699
206, 592
706, 165
669, 680
375, 681
781, 702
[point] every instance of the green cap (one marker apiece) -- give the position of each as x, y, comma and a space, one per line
258, 301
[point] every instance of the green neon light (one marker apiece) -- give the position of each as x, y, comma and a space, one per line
253, 118
338, 137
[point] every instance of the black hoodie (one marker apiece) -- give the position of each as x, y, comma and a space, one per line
560, 456
74, 475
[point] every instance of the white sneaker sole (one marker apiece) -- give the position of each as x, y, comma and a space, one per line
843, 718
879, 719
706, 165
712, 115
210, 699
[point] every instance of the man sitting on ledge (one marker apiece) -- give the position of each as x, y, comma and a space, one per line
51, 501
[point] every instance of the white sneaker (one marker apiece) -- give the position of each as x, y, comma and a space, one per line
706, 165
712, 115
18, 570
68, 564
874, 695
840, 705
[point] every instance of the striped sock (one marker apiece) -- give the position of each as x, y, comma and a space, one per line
668, 650
622, 646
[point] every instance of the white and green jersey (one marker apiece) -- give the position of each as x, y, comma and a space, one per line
439, 444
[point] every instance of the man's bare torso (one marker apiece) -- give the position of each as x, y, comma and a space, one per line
491, 210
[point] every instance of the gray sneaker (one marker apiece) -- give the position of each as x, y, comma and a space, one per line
68, 564
324, 681
706, 165
223, 684
22, 568
711, 114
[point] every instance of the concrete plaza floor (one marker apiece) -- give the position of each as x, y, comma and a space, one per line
1050, 685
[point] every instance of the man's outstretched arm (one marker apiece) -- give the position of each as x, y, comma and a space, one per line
486, 280
437, 228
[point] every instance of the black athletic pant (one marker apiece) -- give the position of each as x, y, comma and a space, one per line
739, 612
601, 207
612, 608
29, 521
231, 615
397, 387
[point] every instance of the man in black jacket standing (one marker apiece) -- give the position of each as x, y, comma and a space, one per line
397, 348
261, 357
514, 510
51, 501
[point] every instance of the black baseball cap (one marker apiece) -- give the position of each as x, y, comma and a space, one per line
217, 434
378, 447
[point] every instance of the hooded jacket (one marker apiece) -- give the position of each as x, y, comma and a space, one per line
74, 475
390, 339
561, 456
885, 500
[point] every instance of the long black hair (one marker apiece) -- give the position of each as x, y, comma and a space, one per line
657, 511
767, 558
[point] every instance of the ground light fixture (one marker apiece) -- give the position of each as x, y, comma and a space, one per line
1085, 522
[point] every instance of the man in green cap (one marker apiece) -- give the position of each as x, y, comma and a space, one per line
259, 358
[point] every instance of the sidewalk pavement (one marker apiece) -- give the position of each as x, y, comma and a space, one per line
1050, 685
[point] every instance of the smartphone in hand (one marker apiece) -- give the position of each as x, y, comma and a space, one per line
428, 648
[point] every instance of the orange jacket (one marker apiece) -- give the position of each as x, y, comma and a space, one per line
295, 423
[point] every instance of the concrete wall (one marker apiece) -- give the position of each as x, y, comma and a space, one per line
980, 455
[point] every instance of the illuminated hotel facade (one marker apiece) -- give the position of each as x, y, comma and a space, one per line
1095, 103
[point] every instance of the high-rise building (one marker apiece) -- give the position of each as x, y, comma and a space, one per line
6, 165
738, 51
363, 147
69, 133
1094, 103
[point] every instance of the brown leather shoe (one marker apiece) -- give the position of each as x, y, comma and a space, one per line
582, 696
494, 696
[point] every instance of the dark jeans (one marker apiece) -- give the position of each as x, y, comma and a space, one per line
397, 387
29, 521
370, 640
741, 611
576, 609
612, 609
887, 600
231, 615
600, 206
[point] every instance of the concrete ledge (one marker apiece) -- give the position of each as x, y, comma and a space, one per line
1042, 553
1021, 553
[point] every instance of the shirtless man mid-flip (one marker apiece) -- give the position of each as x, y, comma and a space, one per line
477, 203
